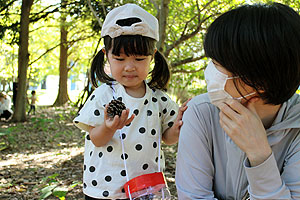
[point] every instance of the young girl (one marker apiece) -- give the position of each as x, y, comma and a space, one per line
123, 147
241, 140
32, 100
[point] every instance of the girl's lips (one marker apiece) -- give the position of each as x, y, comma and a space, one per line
130, 76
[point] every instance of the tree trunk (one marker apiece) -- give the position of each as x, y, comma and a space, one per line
63, 97
23, 59
163, 16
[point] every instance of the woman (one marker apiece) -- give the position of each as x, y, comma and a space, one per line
5, 106
242, 138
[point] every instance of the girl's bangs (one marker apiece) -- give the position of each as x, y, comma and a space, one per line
133, 45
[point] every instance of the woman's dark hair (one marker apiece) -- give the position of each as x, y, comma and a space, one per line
261, 44
132, 45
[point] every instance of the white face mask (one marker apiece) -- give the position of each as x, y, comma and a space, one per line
216, 82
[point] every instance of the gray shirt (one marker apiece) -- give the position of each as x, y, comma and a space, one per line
210, 165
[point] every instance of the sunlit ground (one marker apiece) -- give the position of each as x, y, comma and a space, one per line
45, 159
48, 97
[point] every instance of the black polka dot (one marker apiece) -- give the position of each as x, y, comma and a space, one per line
126, 156
145, 166
88, 137
170, 124
146, 102
107, 178
136, 112
142, 130
92, 168
165, 111
123, 190
154, 99
123, 172
119, 98
128, 124
123, 136
159, 114
97, 112
104, 105
100, 154
78, 114
94, 183
149, 112
154, 144
84, 167
153, 132
92, 97
105, 193
109, 148
91, 153
164, 98
156, 159
172, 112
76, 122
138, 147
84, 185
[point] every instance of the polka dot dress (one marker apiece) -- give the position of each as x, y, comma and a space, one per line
104, 172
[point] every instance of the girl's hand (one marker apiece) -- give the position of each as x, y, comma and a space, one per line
178, 122
243, 125
171, 135
117, 122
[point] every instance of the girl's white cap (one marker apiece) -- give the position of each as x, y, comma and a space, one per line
147, 27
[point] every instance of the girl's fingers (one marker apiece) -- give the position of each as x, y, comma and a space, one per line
130, 119
115, 121
124, 115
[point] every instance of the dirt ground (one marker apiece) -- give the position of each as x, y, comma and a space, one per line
42, 158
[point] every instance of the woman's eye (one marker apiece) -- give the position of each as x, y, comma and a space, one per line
119, 59
140, 59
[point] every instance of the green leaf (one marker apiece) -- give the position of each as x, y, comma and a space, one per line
48, 188
2, 134
47, 191
74, 185
60, 191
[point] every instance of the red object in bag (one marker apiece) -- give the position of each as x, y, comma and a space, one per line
140, 183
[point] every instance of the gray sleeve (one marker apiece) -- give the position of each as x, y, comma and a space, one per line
266, 182
194, 167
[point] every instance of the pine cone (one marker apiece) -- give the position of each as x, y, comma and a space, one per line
115, 107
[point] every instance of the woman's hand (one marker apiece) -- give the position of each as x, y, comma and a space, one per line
243, 125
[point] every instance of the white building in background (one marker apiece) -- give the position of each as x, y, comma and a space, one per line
48, 89
51, 83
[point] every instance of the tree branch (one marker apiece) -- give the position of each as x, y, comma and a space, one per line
187, 60
94, 13
48, 50
184, 36
187, 71
7, 5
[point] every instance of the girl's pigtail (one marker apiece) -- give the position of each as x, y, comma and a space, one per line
97, 70
160, 74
